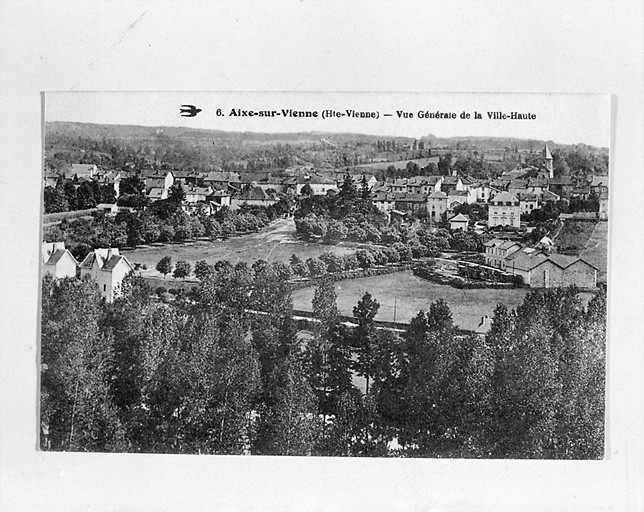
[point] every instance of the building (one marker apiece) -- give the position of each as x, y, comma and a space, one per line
497, 251
254, 196
540, 270
437, 205
78, 171
528, 202
107, 208
413, 203
460, 221
157, 179
384, 201
196, 194
108, 268
58, 261
547, 157
603, 205
504, 210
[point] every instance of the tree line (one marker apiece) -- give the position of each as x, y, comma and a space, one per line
227, 371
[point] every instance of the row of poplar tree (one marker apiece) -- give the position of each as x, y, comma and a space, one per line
228, 371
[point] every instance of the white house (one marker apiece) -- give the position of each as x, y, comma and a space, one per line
504, 211
460, 221
108, 268
57, 260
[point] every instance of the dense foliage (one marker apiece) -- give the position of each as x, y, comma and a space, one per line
225, 371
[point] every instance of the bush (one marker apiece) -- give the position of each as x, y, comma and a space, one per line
316, 266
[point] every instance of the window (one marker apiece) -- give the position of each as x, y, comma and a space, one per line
104, 287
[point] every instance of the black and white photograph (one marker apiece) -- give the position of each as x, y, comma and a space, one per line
325, 274
321, 256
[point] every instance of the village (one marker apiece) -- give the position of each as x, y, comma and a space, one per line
437, 200
355, 280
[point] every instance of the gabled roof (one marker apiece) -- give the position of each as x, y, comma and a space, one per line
459, 218
438, 194
114, 260
58, 255
527, 197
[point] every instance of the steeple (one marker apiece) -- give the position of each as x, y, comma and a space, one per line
547, 156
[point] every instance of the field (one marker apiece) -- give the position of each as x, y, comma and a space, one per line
275, 243
408, 294
574, 236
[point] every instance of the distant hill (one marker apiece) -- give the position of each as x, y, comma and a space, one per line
141, 133
134, 132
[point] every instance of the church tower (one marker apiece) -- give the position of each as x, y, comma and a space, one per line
547, 156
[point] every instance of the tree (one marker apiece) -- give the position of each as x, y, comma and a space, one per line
329, 352
181, 270
306, 190
364, 336
164, 265
298, 266
76, 371
203, 269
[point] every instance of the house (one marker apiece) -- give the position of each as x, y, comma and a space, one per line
220, 198
561, 185
107, 208
196, 194
411, 202
222, 180
460, 221
539, 270
78, 171
157, 179
437, 205
58, 261
452, 182
186, 177
111, 179
497, 251
108, 268
384, 201
598, 184
254, 196
320, 185
537, 186
460, 196
398, 185
528, 202
424, 184
504, 210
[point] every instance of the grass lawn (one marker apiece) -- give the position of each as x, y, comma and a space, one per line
409, 294
574, 236
275, 243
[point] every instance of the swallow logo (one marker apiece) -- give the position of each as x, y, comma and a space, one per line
189, 110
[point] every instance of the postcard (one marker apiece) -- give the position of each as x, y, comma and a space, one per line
389, 275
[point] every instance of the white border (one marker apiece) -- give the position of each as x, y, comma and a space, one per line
514, 46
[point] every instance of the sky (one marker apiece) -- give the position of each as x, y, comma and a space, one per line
561, 118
